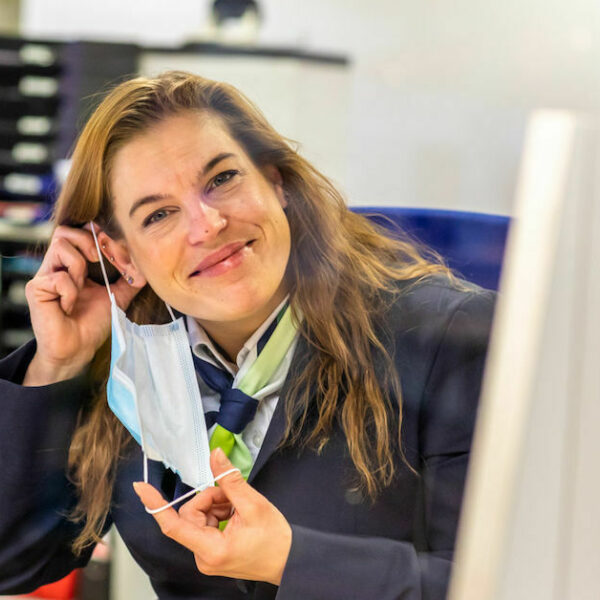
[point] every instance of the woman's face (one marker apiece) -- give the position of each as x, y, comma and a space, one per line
202, 225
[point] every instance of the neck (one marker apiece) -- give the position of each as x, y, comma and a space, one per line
232, 335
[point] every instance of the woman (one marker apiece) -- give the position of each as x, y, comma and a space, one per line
357, 445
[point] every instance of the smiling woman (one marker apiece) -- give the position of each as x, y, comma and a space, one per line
202, 225
338, 370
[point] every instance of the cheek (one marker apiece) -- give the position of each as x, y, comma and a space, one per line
283, 235
156, 261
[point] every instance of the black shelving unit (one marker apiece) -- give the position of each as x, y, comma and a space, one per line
48, 88
21, 251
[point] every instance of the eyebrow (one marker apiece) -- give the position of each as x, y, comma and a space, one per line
209, 166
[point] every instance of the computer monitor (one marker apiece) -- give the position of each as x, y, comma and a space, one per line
530, 527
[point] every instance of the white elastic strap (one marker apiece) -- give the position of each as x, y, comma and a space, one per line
145, 466
100, 257
153, 511
104, 270
170, 312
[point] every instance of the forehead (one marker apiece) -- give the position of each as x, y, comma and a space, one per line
169, 153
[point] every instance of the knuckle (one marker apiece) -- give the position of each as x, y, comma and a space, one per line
253, 510
60, 278
167, 528
58, 243
30, 286
59, 232
61, 229
216, 559
203, 567
64, 231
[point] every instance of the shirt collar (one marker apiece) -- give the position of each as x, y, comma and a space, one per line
203, 347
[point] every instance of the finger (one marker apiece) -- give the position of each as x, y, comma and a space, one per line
80, 238
197, 517
202, 511
216, 494
210, 517
213, 520
196, 539
240, 494
61, 256
56, 287
195, 509
206, 498
222, 512
207, 507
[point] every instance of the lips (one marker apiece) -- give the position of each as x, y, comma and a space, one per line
218, 256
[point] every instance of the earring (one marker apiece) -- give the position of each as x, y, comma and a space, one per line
130, 280
112, 259
103, 246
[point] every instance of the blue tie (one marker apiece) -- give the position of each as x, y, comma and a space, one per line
237, 408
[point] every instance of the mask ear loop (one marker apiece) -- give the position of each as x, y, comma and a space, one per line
104, 275
170, 312
110, 295
153, 511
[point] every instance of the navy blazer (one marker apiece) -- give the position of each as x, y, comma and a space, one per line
344, 545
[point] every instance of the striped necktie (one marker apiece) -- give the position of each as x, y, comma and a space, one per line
238, 406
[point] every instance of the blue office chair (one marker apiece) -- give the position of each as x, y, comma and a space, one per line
472, 244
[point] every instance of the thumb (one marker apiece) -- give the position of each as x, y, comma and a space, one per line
234, 485
124, 293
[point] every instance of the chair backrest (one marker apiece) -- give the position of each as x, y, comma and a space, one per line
472, 244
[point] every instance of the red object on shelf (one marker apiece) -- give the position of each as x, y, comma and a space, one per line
63, 589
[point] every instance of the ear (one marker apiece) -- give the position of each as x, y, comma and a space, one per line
117, 254
271, 172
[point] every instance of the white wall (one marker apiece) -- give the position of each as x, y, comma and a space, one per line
9, 17
441, 89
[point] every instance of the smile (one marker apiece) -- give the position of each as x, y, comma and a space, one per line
223, 260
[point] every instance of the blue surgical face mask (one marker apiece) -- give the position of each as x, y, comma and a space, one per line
153, 391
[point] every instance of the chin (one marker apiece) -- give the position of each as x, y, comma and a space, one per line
240, 311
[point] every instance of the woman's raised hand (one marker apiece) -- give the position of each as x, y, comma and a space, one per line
70, 314
256, 542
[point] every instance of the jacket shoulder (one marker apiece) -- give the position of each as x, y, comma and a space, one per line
430, 301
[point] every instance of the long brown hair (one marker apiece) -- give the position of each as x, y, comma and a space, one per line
341, 270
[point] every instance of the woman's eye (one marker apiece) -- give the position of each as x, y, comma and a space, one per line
156, 216
223, 177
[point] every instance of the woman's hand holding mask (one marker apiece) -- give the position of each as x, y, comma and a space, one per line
256, 542
70, 314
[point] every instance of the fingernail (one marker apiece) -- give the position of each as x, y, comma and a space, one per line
136, 485
221, 458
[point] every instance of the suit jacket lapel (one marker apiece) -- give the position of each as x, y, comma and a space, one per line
277, 426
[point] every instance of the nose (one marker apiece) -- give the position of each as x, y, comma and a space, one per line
205, 222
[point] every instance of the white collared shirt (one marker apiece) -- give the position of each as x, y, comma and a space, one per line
203, 347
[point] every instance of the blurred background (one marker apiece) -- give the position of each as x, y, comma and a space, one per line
417, 104
400, 103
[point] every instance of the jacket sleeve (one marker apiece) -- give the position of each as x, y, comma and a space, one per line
36, 425
334, 566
